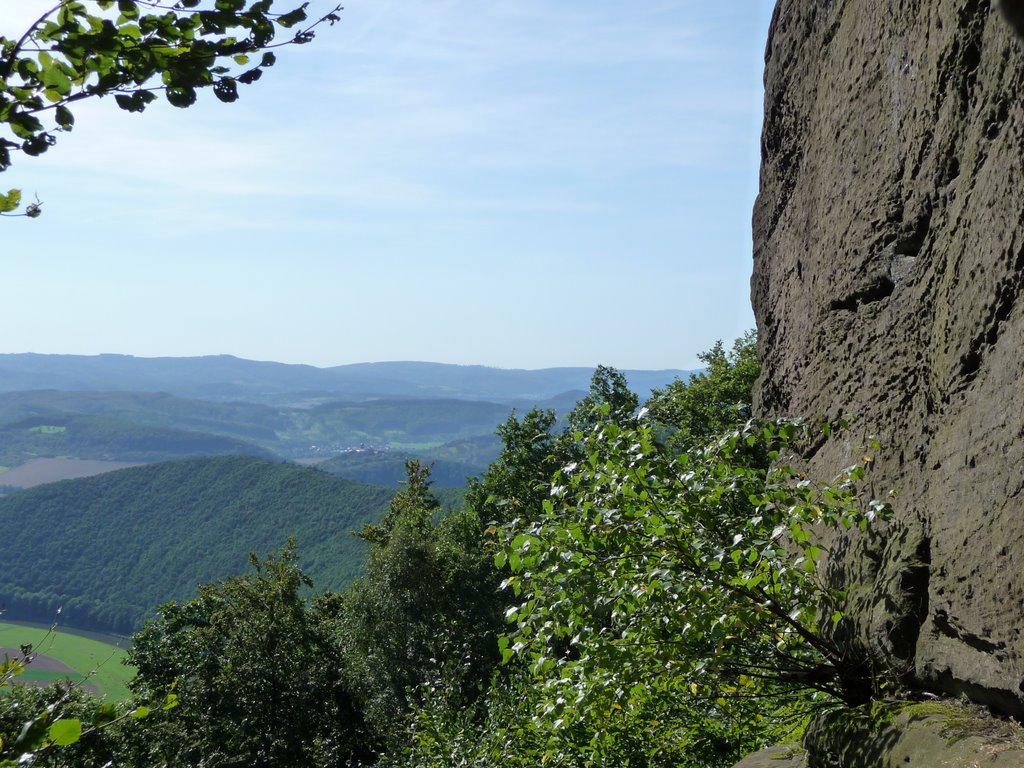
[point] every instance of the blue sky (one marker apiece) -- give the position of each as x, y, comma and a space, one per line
521, 184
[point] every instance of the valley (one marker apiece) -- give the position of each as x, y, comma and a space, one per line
106, 494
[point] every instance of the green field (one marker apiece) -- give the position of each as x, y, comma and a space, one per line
82, 654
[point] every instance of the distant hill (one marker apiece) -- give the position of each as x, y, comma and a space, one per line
223, 377
478, 451
250, 422
388, 468
111, 548
146, 426
108, 439
402, 423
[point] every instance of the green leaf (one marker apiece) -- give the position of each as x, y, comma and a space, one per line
65, 732
64, 118
292, 18
127, 103
27, 68
140, 712
37, 145
226, 90
10, 202
55, 78
24, 126
181, 96
250, 76
103, 714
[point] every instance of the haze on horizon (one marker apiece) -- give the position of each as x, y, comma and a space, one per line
517, 185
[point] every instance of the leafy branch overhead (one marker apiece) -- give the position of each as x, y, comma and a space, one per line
133, 50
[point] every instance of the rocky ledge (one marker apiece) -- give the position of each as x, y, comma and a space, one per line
901, 735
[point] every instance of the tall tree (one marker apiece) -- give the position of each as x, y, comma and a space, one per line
257, 671
425, 611
608, 390
712, 401
517, 481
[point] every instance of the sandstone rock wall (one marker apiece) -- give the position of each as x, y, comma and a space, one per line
888, 270
901, 735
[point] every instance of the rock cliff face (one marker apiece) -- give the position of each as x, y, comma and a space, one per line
888, 271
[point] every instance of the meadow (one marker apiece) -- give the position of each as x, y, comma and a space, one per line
101, 662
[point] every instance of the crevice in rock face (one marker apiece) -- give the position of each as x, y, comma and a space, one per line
999, 115
1007, 293
958, 70
909, 243
780, 140
878, 289
942, 622
913, 583
998, 700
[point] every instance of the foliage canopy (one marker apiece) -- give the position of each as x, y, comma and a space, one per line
257, 672
663, 603
710, 402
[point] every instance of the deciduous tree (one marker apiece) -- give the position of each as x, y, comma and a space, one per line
682, 592
713, 401
257, 671
426, 610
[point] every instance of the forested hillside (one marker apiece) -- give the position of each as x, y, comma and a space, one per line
113, 547
111, 439
623, 586
118, 425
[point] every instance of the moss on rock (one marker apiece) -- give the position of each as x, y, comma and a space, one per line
888, 734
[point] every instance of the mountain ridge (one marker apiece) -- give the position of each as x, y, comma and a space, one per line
226, 377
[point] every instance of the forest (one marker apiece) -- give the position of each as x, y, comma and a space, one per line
632, 586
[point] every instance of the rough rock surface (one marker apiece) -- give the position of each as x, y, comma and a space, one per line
788, 756
898, 734
888, 270
923, 735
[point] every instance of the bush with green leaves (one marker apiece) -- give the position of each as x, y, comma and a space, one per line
669, 608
